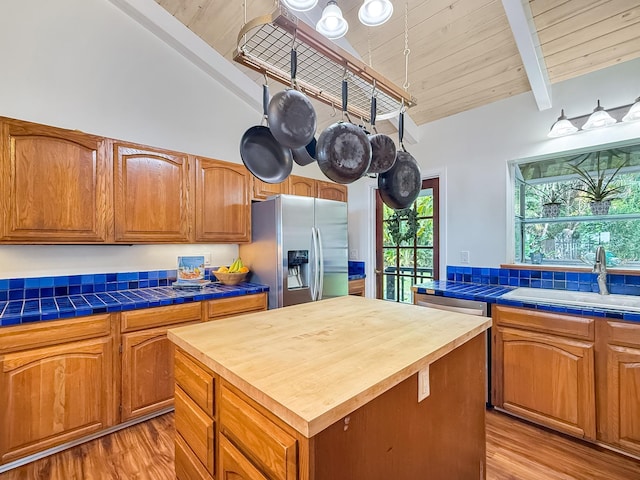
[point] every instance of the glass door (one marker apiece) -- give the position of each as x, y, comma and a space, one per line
407, 244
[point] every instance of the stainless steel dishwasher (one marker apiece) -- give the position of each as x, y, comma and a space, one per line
459, 305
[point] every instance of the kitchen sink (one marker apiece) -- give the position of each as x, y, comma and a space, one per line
628, 303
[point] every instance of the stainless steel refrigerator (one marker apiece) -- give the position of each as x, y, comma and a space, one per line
299, 249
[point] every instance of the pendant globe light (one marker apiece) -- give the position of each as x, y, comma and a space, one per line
375, 12
332, 24
598, 119
562, 127
300, 5
634, 112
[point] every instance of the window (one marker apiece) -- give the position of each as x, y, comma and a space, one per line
407, 254
558, 219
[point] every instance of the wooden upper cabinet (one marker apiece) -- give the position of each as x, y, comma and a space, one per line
222, 202
55, 184
263, 190
331, 191
302, 186
151, 195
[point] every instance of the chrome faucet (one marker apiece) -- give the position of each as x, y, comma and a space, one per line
600, 267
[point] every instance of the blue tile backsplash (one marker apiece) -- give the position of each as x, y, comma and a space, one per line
513, 277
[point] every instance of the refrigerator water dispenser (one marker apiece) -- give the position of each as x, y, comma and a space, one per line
298, 269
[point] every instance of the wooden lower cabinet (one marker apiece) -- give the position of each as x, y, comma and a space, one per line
356, 287
234, 465
55, 394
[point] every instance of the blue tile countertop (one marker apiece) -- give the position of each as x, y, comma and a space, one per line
25, 310
356, 270
492, 294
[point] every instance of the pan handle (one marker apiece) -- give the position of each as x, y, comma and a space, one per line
265, 100
401, 130
345, 96
374, 108
294, 66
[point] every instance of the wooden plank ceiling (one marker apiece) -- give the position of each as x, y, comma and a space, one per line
463, 54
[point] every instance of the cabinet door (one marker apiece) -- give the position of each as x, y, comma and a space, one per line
546, 378
331, 191
151, 198
55, 185
53, 395
147, 372
302, 186
234, 465
222, 202
263, 190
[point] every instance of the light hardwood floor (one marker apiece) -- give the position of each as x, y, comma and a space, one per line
515, 451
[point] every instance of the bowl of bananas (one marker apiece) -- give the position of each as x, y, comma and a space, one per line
233, 274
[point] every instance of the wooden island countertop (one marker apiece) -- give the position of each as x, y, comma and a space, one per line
315, 363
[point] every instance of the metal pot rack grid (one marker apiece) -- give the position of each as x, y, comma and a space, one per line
264, 45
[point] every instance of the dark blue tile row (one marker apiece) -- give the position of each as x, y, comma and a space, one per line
14, 312
513, 277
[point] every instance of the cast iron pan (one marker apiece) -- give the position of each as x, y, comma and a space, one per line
261, 153
383, 148
305, 155
400, 185
343, 150
292, 118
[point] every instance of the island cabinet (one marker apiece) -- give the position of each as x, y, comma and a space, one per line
55, 185
544, 370
357, 287
272, 396
57, 383
151, 194
147, 357
222, 202
619, 384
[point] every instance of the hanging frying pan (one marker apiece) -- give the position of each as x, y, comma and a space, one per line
305, 155
292, 118
261, 153
400, 185
343, 150
383, 148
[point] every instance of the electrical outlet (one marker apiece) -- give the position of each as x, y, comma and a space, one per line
353, 254
464, 257
207, 258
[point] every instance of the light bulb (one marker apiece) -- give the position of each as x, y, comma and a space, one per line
598, 119
300, 5
562, 127
634, 112
332, 24
375, 12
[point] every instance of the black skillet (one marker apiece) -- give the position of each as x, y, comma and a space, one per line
261, 153
383, 149
343, 150
400, 185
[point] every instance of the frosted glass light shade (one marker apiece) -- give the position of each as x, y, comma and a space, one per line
375, 12
599, 119
332, 24
634, 112
300, 5
562, 127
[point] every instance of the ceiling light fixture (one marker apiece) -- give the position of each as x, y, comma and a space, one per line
332, 24
300, 5
375, 12
562, 127
634, 112
599, 119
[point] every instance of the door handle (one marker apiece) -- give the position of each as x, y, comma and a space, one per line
378, 272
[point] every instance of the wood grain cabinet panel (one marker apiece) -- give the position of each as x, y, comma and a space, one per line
55, 184
302, 186
53, 395
356, 287
263, 190
187, 465
151, 195
222, 202
331, 191
234, 465
227, 307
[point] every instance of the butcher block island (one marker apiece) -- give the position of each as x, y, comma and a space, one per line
347, 388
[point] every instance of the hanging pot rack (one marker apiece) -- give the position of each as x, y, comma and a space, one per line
264, 45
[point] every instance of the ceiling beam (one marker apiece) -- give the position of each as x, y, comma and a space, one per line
526, 37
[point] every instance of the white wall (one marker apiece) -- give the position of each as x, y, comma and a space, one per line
471, 151
84, 64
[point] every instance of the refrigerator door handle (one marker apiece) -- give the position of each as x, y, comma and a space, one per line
320, 265
313, 283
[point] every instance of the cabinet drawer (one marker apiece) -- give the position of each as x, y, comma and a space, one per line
160, 316
621, 333
188, 467
258, 438
545, 322
356, 287
195, 381
54, 332
226, 307
234, 465
196, 428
